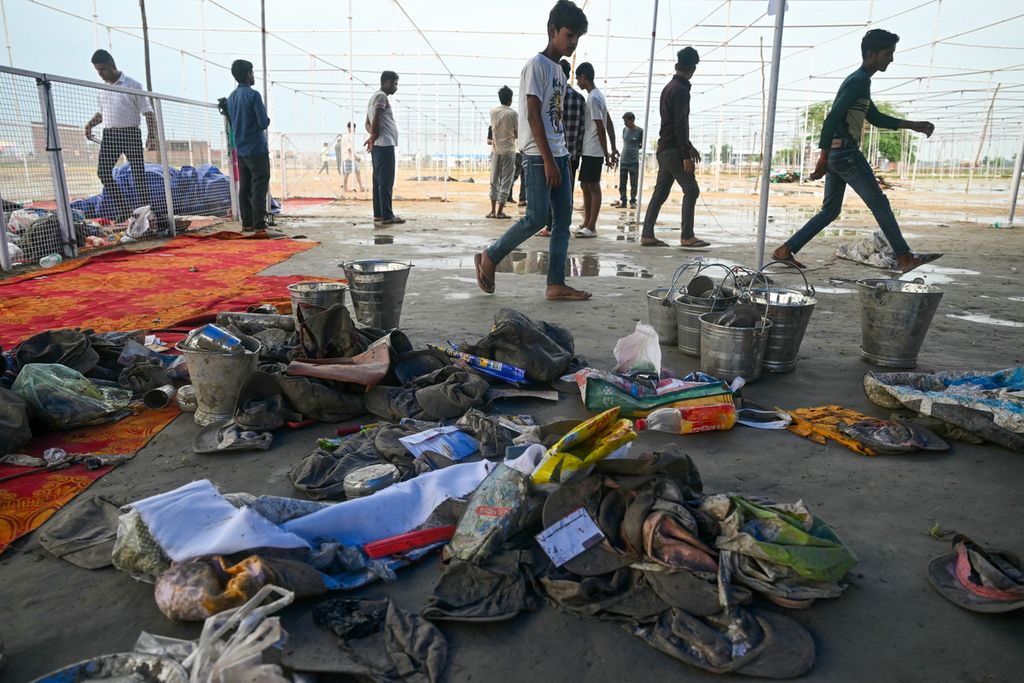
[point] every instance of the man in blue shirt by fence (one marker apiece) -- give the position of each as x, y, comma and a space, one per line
249, 123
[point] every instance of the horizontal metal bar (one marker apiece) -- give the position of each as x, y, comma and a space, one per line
102, 86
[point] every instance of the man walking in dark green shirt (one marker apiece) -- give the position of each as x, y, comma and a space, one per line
842, 163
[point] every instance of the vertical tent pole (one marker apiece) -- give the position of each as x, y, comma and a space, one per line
647, 116
1016, 182
351, 93
766, 157
266, 98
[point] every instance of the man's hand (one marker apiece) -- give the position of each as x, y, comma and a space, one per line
609, 159
821, 167
151, 142
369, 143
926, 127
688, 165
88, 134
696, 157
552, 177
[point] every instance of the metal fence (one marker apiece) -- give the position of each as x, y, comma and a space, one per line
64, 193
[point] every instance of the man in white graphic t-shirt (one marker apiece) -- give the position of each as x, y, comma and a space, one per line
545, 158
597, 126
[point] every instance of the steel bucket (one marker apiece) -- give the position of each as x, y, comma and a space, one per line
216, 377
730, 352
313, 297
894, 318
378, 290
688, 312
790, 311
661, 313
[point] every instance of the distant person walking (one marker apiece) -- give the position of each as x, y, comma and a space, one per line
842, 163
380, 124
504, 132
348, 161
120, 115
596, 149
676, 155
325, 157
629, 162
545, 158
249, 122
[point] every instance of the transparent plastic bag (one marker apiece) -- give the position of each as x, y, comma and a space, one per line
639, 352
62, 398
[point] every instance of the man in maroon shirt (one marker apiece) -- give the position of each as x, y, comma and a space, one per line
676, 156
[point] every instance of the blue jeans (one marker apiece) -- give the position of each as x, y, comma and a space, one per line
383, 180
847, 166
541, 200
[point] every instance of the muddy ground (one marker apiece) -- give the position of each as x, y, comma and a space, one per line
888, 626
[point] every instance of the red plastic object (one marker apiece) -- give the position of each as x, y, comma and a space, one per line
408, 541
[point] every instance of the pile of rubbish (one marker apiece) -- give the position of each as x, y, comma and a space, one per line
572, 514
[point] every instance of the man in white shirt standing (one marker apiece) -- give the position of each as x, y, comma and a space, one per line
595, 149
380, 124
504, 132
120, 115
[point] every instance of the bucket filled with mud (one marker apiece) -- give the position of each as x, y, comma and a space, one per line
378, 290
895, 317
313, 297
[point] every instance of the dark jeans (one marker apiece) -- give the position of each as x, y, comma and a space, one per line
630, 173
253, 183
670, 170
517, 176
383, 181
126, 141
847, 166
541, 200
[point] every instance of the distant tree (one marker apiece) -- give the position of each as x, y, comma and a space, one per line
890, 142
725, 153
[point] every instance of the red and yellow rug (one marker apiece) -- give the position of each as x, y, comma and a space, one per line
187, 278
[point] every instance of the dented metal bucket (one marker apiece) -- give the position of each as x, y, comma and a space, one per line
216, 377
895, 316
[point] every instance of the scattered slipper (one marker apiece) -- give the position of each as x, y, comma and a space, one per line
920, 260
571, 295
655, 243
978, 579
586, 233
543, 233
484, 282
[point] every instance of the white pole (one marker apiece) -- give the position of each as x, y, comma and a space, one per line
607, 42
263, 47
95, 26
202, 43
351, 93
647, 116
7, 35
766, 157
1016, 182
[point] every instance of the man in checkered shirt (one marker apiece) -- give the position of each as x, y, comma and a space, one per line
574, 110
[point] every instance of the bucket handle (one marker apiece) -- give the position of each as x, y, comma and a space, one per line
808, 287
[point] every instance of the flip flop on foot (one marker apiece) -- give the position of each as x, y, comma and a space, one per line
503, 216
790, 259
484, 275
394, 220
586, 233
566, 293
490, 215
918, 260
543, 233
652, 242
694, 244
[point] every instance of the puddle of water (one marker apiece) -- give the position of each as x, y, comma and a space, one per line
458, 278
937, 275
833, 290
1015, 298
576, 265
458, 295
984, 319
383, 239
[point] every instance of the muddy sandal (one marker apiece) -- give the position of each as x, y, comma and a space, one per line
483, 281
654, 243
570, 295
920, 260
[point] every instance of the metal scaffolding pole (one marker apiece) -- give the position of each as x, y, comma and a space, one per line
351, 91
1016, 182
647, 116
766, 157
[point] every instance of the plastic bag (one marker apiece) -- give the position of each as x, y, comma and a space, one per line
589, 442
62, 398
140, 221
639, 352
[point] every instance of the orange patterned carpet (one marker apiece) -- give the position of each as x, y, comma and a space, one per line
186, 278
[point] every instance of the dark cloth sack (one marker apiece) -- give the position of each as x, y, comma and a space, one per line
14, 429
543, 350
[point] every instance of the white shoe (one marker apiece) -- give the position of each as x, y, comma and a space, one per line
586, 232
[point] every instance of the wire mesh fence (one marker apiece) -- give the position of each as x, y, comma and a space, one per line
72, 182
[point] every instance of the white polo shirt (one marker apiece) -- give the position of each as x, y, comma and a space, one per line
121, 110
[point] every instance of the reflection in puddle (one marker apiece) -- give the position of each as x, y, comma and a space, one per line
458, 295
937, 275
845, 232
984, 319
581, 265
832, 290
383, 239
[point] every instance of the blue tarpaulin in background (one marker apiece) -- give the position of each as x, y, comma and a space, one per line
202, 191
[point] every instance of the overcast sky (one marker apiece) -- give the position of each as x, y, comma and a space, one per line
483, 43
